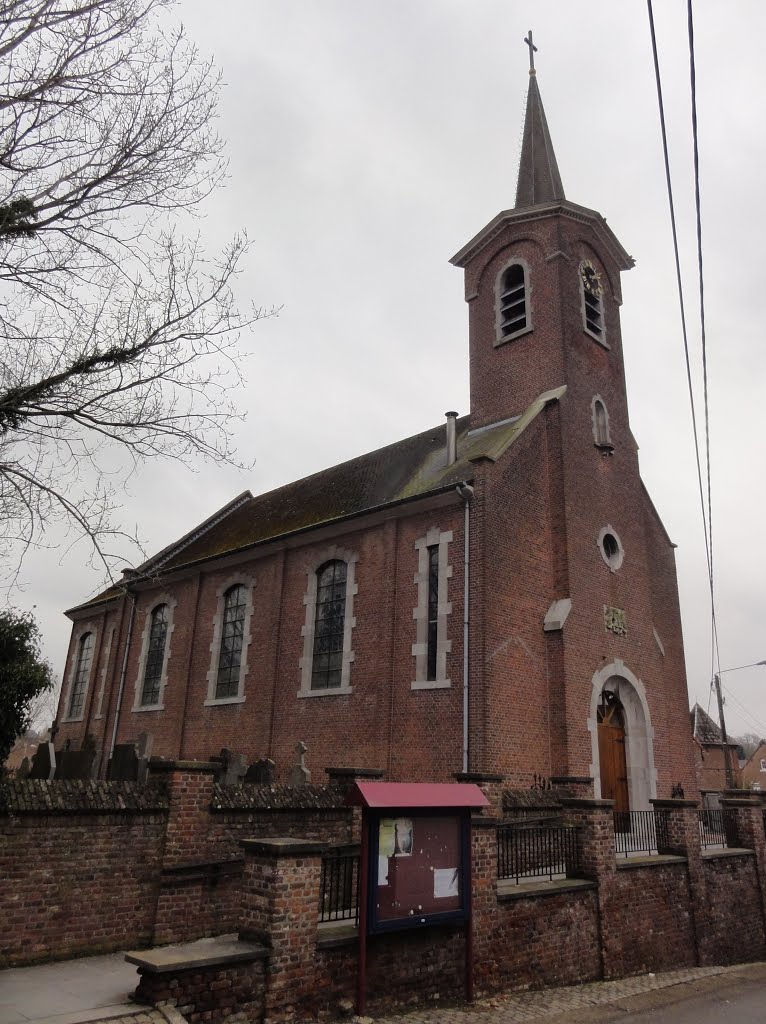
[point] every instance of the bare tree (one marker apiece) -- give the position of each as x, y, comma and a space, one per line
117, 333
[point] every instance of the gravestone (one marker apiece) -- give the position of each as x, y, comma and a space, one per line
43, 762
23, 769
299, 775
261, 772
231, 769
77, 764
123, 764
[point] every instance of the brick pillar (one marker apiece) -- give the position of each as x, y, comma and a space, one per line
492, 786
580, 786
189, 786
596, 850
681, 825
750, 815
484, 902
280, 908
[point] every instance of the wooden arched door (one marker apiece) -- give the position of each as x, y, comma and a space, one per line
611, 751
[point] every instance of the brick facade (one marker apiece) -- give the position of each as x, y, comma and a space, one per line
543, 493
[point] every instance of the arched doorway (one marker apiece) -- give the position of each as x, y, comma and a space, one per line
611, 750
622, 739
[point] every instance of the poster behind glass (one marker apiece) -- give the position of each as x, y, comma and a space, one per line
419, 868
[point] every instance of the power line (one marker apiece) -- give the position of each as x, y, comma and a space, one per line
706, 513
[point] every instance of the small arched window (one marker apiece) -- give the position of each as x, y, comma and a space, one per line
512, 312
601, 435
329, 625
81, 674
155, 657
232, 635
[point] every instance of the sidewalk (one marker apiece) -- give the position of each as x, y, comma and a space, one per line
69, 991
573, 1003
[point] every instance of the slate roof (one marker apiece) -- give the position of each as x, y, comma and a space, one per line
412, 468
704, 729
539, 180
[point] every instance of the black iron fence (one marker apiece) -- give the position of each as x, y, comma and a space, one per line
537, 852
339, 888
640, 832
718, 827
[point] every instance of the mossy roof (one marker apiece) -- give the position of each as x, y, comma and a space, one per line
409, 469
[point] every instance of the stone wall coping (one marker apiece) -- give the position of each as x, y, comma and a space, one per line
586, 802
671, 803
338, 774
571, 780
727, 851
739, 801
159, 764
479, 821
283, 847
658, 860
478, 777
508, 890
187, 956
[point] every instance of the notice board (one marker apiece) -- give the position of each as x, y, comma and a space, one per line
417, 868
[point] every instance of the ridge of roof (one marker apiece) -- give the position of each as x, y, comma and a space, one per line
414, 467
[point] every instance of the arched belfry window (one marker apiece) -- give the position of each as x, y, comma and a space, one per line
512, 302
601, 435
592, 307
155, 656
329, 625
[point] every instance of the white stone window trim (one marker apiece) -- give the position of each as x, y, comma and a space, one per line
616, 560
763, 764
599, 441
443, 539
248, 582
138, 685
500, 338
306, 663
600, 338
106, 654
87, 627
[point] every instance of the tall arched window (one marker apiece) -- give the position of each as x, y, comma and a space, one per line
329, 625
155, 656
512, 313
232, 634
81, 674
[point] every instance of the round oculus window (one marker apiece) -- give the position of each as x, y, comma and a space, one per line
611, 548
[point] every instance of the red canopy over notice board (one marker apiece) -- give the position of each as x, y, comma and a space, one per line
416, 794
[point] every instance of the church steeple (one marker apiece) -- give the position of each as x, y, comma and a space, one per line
539, 179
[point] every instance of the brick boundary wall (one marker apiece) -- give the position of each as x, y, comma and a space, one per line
80, 864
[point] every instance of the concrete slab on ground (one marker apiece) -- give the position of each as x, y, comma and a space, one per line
69, 991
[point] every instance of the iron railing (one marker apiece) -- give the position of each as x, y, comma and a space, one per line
339, 886
640, 832
718, 827
538, 852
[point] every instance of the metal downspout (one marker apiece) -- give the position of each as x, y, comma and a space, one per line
466, 493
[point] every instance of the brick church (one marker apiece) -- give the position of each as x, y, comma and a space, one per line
494, 595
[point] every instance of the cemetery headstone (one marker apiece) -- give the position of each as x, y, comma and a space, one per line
299, 774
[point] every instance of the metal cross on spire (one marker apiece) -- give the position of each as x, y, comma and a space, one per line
532, 52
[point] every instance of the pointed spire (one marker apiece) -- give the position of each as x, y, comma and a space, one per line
539, 178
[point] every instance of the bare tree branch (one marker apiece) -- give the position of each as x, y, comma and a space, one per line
118, 332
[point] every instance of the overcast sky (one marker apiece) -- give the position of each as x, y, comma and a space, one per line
368, 142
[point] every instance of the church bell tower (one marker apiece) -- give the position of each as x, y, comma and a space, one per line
542, 281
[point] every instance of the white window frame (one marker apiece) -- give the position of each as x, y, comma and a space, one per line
763, 764
248, 582
616, 561
87, 627
306, 663
596, 440
500, 338
420, 613
171, 602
